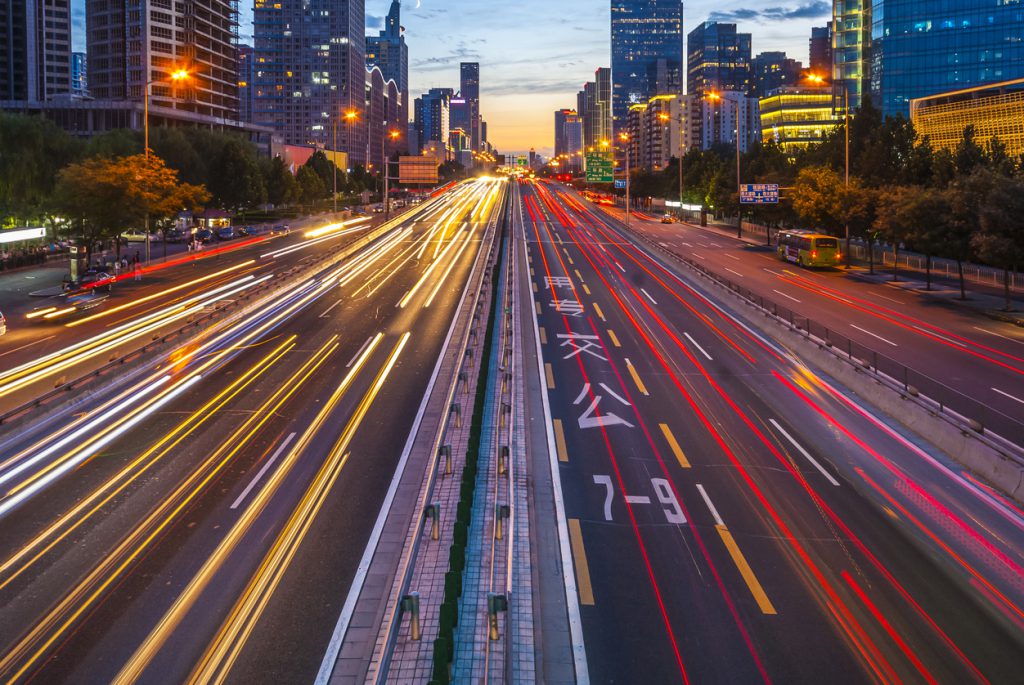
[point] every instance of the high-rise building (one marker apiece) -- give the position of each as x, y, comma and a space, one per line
797, 116
390, 53
433, 117
821, 50
79, 74
718, 59
383, 113
647, 52
469, 90
594, 106
660, 130
133, 47
35, 49
924, 47
311, 71
724, 117
773, 70
563, 116
246, 83
851, 47
995, 111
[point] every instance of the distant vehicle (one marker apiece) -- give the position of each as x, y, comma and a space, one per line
378, 209
95, 281
175, 236
204, 235
3, 323
226, 233
809, 249
281, 229
668, 219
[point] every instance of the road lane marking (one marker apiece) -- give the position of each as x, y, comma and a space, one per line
998, 335
34, 342
636, 378
804, 452
732, 256
697, 345
1006, 394
543, 336
751, 580
359, 353
619, 265
579, 554
638, 499
733, 271
887, 298
707, 501
940, 337
563, 452
578, 275
653, 301
715, 245
687, 244
329, 309
699, 255
788, 297
873, 335
674, 445
615, 339
537, 307
263, 471
535, 288
597, 308
585, 288
531, 272
549, 372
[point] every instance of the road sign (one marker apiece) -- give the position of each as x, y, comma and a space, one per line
759, 193
620, 183
600, 167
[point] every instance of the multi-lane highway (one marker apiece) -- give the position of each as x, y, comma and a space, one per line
731, 515
202, 520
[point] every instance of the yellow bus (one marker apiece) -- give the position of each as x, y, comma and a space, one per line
809, 249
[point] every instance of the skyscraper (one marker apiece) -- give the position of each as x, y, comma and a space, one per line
851, 45
821, 50
128, 48
594, 105
718, 59
564, 117
246, 83
311, 57
35, 49
469, 90
389, 51
923, 47
647, 52
79, 74
773, 70
433, 116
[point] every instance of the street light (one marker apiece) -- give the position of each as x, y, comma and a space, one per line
176, 76
624, 137
349, 116
393, 136
818, 79
715, 97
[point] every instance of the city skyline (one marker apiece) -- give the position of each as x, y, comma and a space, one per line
526, 74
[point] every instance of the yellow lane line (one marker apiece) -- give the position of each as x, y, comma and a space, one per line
615, 339
578, 275
579, 555
543, 336
535, 288
551, 376
748, 574
563, 452
531, 272
585, 288
674, 445
636, 378
537, 306
597, 308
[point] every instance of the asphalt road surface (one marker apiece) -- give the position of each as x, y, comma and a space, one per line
733, 517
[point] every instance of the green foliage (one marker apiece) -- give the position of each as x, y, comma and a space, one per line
236, 180
32, 151
282, 188
311, 187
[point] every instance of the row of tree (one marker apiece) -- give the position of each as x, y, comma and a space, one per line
226, 165
964, 204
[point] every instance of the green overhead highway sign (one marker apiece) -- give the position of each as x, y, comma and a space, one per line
600, 167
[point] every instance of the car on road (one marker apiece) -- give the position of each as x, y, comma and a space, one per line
281, 229
3, 324
94, 280
668, 219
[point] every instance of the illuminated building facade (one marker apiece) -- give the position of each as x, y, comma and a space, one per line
647, 52
922, 47
797, 116
35, 53
851, 51
718, 59
995, 110
390, 53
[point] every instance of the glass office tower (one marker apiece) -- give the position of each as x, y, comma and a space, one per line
924, 47
647, 52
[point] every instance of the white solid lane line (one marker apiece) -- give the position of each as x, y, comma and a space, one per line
732, 256
707, 501
34, 342
998, 335
804, 452
1006, 394
887, 298
263, 471
734, 272
699, 256
695, 344
788, 297
360, 352
873, 335
653, 301
328, 311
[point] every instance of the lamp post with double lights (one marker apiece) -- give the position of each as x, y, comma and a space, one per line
176, 76
349, 116
392, 136
624, 137
715, 97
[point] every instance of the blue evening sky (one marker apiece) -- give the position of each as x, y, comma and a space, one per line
536, 54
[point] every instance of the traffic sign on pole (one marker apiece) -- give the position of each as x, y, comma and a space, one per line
600, 167
759, 193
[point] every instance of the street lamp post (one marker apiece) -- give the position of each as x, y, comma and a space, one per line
392, 135
739, 183
173, 77
625, 139
349, 116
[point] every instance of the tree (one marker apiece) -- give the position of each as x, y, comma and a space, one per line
120, 142
311, 188
969, 155
325, 169
32, 151
966, 196
1000, 242
816, 198
282, 189
930, 225
105, 197
235, 178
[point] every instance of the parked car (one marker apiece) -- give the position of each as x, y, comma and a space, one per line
3, 324
281, 229
204, 235
243, 231
176, 236
226, 233
96, 281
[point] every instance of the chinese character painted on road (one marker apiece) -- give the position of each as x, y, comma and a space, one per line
582, 343
568, 307
557, 282
590, 419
